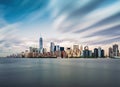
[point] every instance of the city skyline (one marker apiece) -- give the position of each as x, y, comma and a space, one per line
85, 22
76, 51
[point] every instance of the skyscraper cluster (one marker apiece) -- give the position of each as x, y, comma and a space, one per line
56, 50
99, 53
77, 51
114, 51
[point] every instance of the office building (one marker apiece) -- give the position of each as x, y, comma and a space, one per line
57, 48
41, 45
102, 53
99, 52
81, 48
61, 48
86, 52
110, 52
96, 53
69, 52
52, 46
90, 53
75, 47
115, 50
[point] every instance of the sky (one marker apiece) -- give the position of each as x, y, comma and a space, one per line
65, 22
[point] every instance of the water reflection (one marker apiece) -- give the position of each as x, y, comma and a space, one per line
59, 72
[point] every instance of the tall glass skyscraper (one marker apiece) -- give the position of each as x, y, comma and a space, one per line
41, 44
99, 52
52, 46
115, 50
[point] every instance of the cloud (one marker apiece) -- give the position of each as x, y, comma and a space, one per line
64, 22
8, 38
111, 31
91, 20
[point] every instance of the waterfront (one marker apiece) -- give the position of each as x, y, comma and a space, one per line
59, 72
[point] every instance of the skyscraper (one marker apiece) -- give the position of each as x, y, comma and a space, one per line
61, 48
52, 46
81, 50
95, 52
110, 52
99, 52
86, 52
41, 45
57, 48
75, 47
115, 50
102, 53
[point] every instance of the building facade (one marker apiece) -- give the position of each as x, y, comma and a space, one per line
41, 45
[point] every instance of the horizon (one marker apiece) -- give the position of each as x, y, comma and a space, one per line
84, 22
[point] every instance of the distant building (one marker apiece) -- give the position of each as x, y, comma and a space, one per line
96, 53
115, 50
90, 53
52, 46
102, 53
75, 47
44, 50
63, 54
86, 52
41, 45
99, 52
33, 52
110, 52
26, 54
69, 52
76, 51
61, 48
31, 49
57, 48
81, 50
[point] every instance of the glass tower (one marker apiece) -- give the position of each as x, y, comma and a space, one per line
41, 44
52, 45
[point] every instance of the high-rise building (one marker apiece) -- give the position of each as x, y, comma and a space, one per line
102, 53
61, 48
52, 46
41, 45
110, 52
31, 49
69, 52
81, 48
95, 52
75, 47
99, 52
63, 54
57, 48
86, 52
76, 51
44, 50
115, 50
90, 53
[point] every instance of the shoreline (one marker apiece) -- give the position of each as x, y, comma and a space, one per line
58, 58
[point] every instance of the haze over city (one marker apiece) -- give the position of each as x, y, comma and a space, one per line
65, 22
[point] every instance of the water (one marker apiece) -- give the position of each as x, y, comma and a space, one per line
59, 72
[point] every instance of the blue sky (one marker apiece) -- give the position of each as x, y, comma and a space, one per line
65, 22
